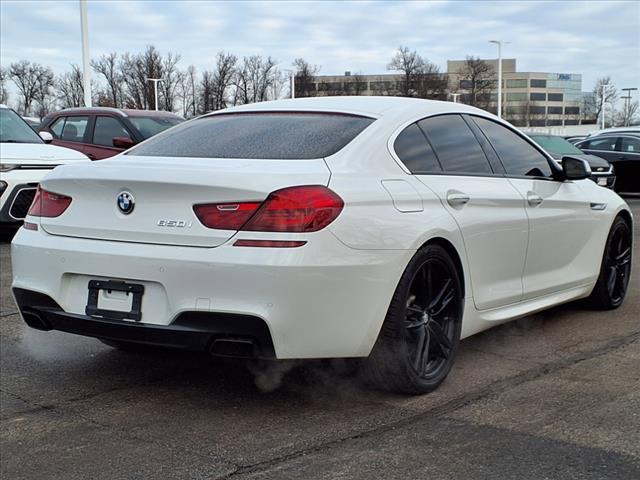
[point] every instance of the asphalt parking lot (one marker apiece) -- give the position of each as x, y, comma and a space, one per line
554, 395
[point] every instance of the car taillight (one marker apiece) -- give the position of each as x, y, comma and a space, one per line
294, 209
48, 204
225, 216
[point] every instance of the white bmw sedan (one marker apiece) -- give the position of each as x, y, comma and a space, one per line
377, 227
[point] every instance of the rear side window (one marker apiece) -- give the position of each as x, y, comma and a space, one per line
607, 144
412, 148
106, 128
630, 144
268, 135
74, 128
455, 145
518, 156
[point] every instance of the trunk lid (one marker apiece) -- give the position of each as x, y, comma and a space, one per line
164, 191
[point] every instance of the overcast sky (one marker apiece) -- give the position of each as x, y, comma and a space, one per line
593, 38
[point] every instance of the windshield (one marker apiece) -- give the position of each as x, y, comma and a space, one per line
264, 135
150, 126
556, 145
13, 129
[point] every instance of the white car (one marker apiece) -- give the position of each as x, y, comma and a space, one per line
24, 160
378, 227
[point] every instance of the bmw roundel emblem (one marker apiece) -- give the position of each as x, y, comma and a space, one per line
126, 202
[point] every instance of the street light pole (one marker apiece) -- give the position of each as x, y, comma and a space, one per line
604, 89
155, 88
86, 67
627, 104
499, 43
292, 84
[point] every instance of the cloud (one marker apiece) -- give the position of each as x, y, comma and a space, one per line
594, 38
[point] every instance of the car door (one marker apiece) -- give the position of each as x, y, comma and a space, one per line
627, 164
70, 131
105, 128
487, 209
561, 252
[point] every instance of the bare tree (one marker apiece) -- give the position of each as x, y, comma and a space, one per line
593, 103
305, 78
136, 69
109, 68
188, 92
223, 78
4, 95
70, 88
206, 94
628, 115
412, 66
45, 99
253, 79
171, 78
478, 78
33, 82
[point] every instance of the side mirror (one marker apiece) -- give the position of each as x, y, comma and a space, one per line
123, 142
575, 168
46, 137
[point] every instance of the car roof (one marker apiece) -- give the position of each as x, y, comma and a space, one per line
359, 105
124, 112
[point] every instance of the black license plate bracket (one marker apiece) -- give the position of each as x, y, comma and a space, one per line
135, 289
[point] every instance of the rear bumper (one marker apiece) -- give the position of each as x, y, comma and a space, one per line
321, 300
217, 334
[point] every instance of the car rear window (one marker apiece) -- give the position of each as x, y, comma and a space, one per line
268, 135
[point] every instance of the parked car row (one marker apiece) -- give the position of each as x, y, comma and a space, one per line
24, 160
103, 132
77, 134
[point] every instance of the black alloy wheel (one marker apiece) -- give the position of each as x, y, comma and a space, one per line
615, 271
421, 332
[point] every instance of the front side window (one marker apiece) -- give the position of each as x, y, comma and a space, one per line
630, 145
74, 128
518, 156
106, 128
412, 148
258, 135
57, 126
455, 145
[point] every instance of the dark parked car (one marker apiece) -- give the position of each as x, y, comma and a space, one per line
601, 171
622, 150
101, 132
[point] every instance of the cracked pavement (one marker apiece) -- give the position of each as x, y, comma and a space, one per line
555, 395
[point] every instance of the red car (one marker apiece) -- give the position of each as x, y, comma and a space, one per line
102, 132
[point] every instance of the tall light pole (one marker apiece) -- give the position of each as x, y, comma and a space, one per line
627, 104
155, 88
292, 85
604, 90
455, 97
86, 67
499, 43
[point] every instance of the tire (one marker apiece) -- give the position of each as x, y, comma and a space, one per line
615, 268
398, 361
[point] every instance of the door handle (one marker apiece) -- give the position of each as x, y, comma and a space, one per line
534, 200
457, 199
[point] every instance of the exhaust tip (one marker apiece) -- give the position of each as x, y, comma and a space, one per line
34, 320
234, 347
